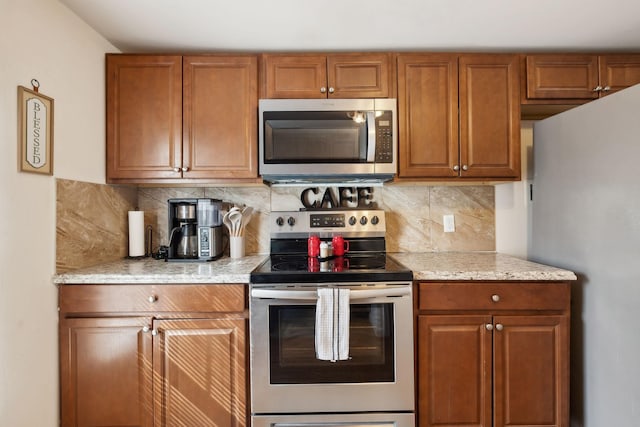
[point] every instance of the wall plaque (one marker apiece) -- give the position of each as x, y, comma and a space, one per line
35, 130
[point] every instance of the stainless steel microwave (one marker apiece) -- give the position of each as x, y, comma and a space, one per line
328, 140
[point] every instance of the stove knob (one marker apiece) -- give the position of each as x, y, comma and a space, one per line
375, 220
352, 220
291, 221
280, 221
363, 220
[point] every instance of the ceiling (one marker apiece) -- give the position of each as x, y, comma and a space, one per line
350, 25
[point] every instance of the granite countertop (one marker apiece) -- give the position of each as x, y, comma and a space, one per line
149, 270
425, 266
477, 266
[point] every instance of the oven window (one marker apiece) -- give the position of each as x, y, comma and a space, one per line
314, 137
292, 346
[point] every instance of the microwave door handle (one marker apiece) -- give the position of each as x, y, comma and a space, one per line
371, 136
313, 295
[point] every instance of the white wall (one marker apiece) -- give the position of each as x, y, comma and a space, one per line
41, 39
513, 205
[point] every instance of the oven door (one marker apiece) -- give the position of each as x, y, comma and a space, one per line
287, 377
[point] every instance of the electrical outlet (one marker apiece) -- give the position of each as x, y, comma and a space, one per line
449, 223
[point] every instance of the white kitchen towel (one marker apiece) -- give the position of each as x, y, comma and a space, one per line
332, 324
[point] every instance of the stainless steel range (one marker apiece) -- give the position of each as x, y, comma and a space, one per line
331, 336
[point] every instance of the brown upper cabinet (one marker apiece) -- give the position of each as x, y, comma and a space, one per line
578, 77
348, 75
175, 118
459, 116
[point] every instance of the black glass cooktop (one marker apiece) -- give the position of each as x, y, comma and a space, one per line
353, 267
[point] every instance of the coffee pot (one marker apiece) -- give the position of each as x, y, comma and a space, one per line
185, 241
195, 229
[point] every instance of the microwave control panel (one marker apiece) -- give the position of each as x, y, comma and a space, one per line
384, 138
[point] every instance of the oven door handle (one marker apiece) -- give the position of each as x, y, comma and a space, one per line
313, 295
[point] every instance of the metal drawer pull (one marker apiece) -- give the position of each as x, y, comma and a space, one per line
495, 297
313, 295
152, 298
499, 327
489, 326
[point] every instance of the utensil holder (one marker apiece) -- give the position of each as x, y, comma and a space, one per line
236, 246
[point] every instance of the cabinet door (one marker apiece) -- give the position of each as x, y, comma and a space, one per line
220, 116
144, 117
562, 76
489, 116
428, 115
105, 372
199, 372
295, 76
454, 371
531, 377
365, 75
619, 72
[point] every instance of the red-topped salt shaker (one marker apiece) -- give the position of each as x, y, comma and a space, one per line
313, 246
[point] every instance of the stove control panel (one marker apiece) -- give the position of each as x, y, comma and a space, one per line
348, 222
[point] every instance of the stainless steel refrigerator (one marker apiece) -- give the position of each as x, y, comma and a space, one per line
586, 218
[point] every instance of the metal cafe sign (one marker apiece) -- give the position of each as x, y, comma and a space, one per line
338, 197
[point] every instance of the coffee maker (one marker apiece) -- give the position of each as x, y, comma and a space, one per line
195, 229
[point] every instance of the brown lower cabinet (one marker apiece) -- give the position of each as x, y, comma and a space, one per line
493, 354
153, 355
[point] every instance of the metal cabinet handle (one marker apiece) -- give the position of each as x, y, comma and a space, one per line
331, 90
456, 168
465, 167
323, 89
146, 328
489, 326
176, 169
152, 298
606, 88
499, 327
597, 88
184, 169
495, 297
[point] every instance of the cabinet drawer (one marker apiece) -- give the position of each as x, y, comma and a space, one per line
151, 298
494, 296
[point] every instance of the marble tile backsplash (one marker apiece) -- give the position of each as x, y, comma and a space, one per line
414, 213
92, 218
91, 223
